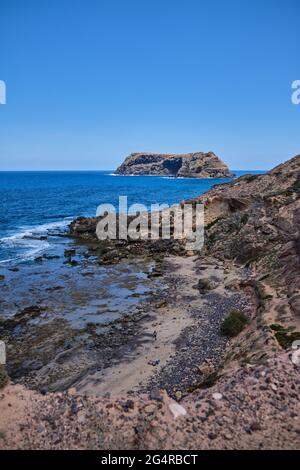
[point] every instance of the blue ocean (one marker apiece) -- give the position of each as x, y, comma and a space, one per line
36, 207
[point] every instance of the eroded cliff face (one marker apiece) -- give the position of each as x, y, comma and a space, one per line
190, 165
254, 222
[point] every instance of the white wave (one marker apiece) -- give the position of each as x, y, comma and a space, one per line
9, 260
27, 240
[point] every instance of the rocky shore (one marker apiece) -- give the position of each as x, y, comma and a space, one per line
207, 360
188, 165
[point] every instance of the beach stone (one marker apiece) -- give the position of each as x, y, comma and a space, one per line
149, 409
217, 396
176, 409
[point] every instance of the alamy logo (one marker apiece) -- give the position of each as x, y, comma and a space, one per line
2, 92
2, 353
296, 93
296, 353
163, 222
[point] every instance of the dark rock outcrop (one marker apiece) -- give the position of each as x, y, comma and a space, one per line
189, 165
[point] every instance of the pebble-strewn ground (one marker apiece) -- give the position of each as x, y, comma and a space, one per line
255, 408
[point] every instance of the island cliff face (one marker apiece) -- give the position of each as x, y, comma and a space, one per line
188, 165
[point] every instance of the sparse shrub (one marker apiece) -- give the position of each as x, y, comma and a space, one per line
284, 337
233, 324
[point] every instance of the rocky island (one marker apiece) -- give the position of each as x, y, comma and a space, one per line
187, 165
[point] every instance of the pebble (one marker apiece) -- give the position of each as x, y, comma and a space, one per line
176, 409
217, 396
149, 409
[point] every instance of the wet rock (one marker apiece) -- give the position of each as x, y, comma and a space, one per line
50, 257
155, 273
69, 253
35, 237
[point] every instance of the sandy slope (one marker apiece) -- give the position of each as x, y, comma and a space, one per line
257, 408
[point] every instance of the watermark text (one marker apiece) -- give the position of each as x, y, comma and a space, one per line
296, 93
2, 92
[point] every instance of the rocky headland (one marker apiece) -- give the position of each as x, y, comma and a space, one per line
208, 362
188, 165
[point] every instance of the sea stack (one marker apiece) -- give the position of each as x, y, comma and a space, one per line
186, 165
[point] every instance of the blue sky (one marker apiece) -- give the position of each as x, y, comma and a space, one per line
90, 81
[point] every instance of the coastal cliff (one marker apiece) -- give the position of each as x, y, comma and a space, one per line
189, 165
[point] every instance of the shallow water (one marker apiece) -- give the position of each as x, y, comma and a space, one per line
81, 294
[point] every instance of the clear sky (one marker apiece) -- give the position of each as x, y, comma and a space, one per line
90, 81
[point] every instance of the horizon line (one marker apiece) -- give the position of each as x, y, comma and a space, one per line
103, 169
